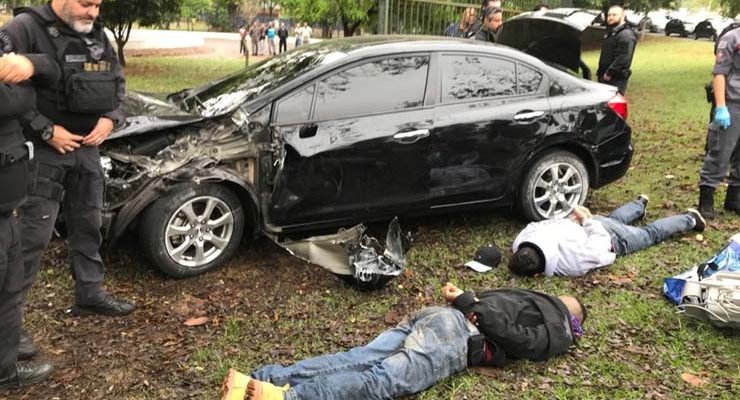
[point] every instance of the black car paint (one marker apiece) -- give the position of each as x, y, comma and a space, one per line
345, 171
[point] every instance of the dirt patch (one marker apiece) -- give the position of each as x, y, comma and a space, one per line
146, 355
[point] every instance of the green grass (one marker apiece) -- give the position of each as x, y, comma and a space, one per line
636, 345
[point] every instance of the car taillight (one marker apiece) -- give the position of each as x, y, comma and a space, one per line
619, 105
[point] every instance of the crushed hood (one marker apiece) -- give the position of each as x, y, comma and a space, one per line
553, 36
146, 113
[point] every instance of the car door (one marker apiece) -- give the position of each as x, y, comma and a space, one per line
362, 150
491, 110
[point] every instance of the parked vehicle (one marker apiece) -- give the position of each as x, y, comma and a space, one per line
679, 27
352, 130
705, 29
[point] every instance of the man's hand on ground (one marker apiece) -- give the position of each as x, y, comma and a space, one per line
450, 292
100, 133
581, 214
15, 69
63, 141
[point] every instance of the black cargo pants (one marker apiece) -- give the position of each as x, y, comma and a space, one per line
74, 180
11, 284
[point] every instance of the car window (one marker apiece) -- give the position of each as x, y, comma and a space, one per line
467, 77
373, 87
296, 108
529, 79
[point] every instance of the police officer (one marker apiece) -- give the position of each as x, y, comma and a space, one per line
723, 151
617, 50
16, 97
70, 121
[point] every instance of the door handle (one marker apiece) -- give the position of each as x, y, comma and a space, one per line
308, 131
527, 116
411, 137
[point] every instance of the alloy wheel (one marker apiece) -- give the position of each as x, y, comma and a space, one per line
557, 191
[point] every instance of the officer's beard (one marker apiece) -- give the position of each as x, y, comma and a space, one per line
83, 26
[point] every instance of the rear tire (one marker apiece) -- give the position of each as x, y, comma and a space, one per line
192, 230
555, 183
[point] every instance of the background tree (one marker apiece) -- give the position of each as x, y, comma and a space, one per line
352, 14
119, 16
730, 8
192, 9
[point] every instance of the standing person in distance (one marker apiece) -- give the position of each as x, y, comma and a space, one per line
617, 50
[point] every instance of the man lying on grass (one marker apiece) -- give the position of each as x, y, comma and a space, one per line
573, 247
487, 329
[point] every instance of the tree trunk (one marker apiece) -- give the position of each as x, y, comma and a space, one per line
121, 57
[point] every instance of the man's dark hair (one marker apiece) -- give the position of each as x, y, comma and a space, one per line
527, 261
490, 11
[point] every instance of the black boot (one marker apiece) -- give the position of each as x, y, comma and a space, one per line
26, 348
706, 201
25, 373
732, 201
105, 304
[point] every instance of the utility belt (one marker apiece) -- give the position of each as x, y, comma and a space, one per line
20, 153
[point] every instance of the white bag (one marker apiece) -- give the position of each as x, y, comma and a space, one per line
715, 299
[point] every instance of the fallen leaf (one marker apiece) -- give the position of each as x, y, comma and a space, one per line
196, 321
693, 380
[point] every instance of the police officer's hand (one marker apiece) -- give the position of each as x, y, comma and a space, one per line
101, 131
63, 141
722, 117
607, 77
15, 68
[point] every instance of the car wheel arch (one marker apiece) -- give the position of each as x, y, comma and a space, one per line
129, 215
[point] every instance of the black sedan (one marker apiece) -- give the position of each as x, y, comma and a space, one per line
705, 29
357, 130
679, 27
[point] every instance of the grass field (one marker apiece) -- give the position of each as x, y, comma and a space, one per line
636, 344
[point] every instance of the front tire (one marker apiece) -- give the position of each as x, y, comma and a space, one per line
192, 230
555, 183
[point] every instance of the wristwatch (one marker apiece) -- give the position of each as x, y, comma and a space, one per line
47, 132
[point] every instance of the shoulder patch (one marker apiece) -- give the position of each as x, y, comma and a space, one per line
722, 45
6, 45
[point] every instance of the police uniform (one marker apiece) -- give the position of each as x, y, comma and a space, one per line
723, 151
92, 86
15, 180
616, 56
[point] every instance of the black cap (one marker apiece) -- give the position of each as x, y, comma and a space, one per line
486, 258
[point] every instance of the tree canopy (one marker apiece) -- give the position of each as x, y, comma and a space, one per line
119, 16
350, 13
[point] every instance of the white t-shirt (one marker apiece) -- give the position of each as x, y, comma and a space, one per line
306, 33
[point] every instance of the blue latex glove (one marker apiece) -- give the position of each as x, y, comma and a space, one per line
722, 117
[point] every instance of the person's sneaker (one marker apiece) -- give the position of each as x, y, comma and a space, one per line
645, 200
25, 373
234, 386
104, 305
700, 223
26, 348
258, 390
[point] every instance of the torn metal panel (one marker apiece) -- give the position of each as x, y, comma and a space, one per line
354, 256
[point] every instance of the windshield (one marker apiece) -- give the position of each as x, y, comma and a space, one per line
223, 96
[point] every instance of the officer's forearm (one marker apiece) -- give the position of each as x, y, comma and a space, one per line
719, 83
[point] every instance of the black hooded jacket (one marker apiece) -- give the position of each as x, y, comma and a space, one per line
617, 51
522, 324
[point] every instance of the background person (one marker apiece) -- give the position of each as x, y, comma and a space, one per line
271, 39
617, 51
242, 39
306, 33
462, 28
298, 32
480, 329
723, 152
282, 34
66, 134
493, 21
573, 247
17, 97
254, 36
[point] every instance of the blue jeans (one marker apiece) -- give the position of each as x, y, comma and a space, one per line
628, 239
424, 348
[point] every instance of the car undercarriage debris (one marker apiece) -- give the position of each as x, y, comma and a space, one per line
353, 256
